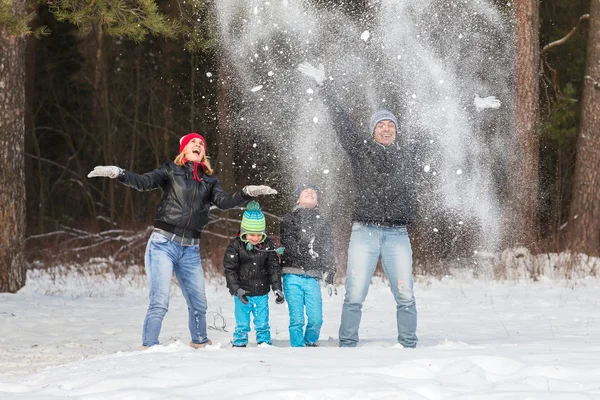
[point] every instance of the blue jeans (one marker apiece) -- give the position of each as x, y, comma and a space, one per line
164, 256
258, 306
367, 244
301, 291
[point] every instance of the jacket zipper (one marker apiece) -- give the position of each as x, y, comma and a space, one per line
256, 275
191, 209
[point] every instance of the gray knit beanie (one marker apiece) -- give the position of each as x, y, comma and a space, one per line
379, 116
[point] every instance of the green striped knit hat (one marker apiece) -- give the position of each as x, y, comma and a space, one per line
253, 221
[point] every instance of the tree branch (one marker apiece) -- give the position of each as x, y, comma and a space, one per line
589, 78
559, 42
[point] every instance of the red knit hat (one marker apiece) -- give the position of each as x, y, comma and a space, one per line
187, 138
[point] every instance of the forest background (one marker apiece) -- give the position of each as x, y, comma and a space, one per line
96, 92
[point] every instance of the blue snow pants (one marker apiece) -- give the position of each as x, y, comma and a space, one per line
301, 291
258, 306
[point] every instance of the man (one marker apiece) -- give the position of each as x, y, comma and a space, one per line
384, 173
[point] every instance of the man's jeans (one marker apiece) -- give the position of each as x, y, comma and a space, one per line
300, 291
367, 244
164, 256
258, 306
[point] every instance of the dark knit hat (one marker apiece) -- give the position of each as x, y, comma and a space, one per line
253, 221
306, 185
379, 116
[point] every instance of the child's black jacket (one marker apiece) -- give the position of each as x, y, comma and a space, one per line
256, 271
308, 242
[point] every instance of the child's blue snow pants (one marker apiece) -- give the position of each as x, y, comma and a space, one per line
258, 306
301, 291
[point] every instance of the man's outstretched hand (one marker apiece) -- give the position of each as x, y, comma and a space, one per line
486, 102
318, 74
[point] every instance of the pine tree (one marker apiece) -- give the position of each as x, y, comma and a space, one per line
584, 215
522, 226
134, 20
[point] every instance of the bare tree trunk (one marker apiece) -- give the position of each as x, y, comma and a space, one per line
12, 161
129, 202
584, 215
522, 226
225, 156
101, 109
192, 91
35, 205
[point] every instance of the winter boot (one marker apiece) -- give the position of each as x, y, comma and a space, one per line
200, 345
142, 348
312, 344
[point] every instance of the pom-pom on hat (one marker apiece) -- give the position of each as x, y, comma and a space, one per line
187, 138
253, 221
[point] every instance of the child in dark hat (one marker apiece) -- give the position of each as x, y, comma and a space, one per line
308, 258
251, 270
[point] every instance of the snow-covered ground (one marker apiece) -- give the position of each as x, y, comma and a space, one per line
77, 336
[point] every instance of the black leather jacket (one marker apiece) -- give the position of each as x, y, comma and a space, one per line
256, 271
185, 202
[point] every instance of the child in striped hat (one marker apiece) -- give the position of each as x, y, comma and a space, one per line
251, 271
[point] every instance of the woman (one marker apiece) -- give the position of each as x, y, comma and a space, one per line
189, 188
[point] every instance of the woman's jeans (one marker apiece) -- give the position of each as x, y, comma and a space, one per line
258, 306
368, 243
301, 291
163, 257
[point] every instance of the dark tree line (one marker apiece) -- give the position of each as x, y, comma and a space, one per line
91, 93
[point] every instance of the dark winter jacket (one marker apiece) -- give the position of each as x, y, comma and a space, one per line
256, 271
385, 176
185, 202
308, 242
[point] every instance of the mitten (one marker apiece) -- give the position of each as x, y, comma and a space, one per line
486, 102
279, 297
318, 74
241, 294
331, 290
328, 278
109, 171
257, 190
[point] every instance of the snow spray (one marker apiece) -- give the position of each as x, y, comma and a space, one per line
433, 63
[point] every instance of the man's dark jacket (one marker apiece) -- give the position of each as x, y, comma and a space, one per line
385, 176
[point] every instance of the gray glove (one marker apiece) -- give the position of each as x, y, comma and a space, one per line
241, 294
331, 290
486, 102
279, 297
318, 74
257, 190
109, 171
